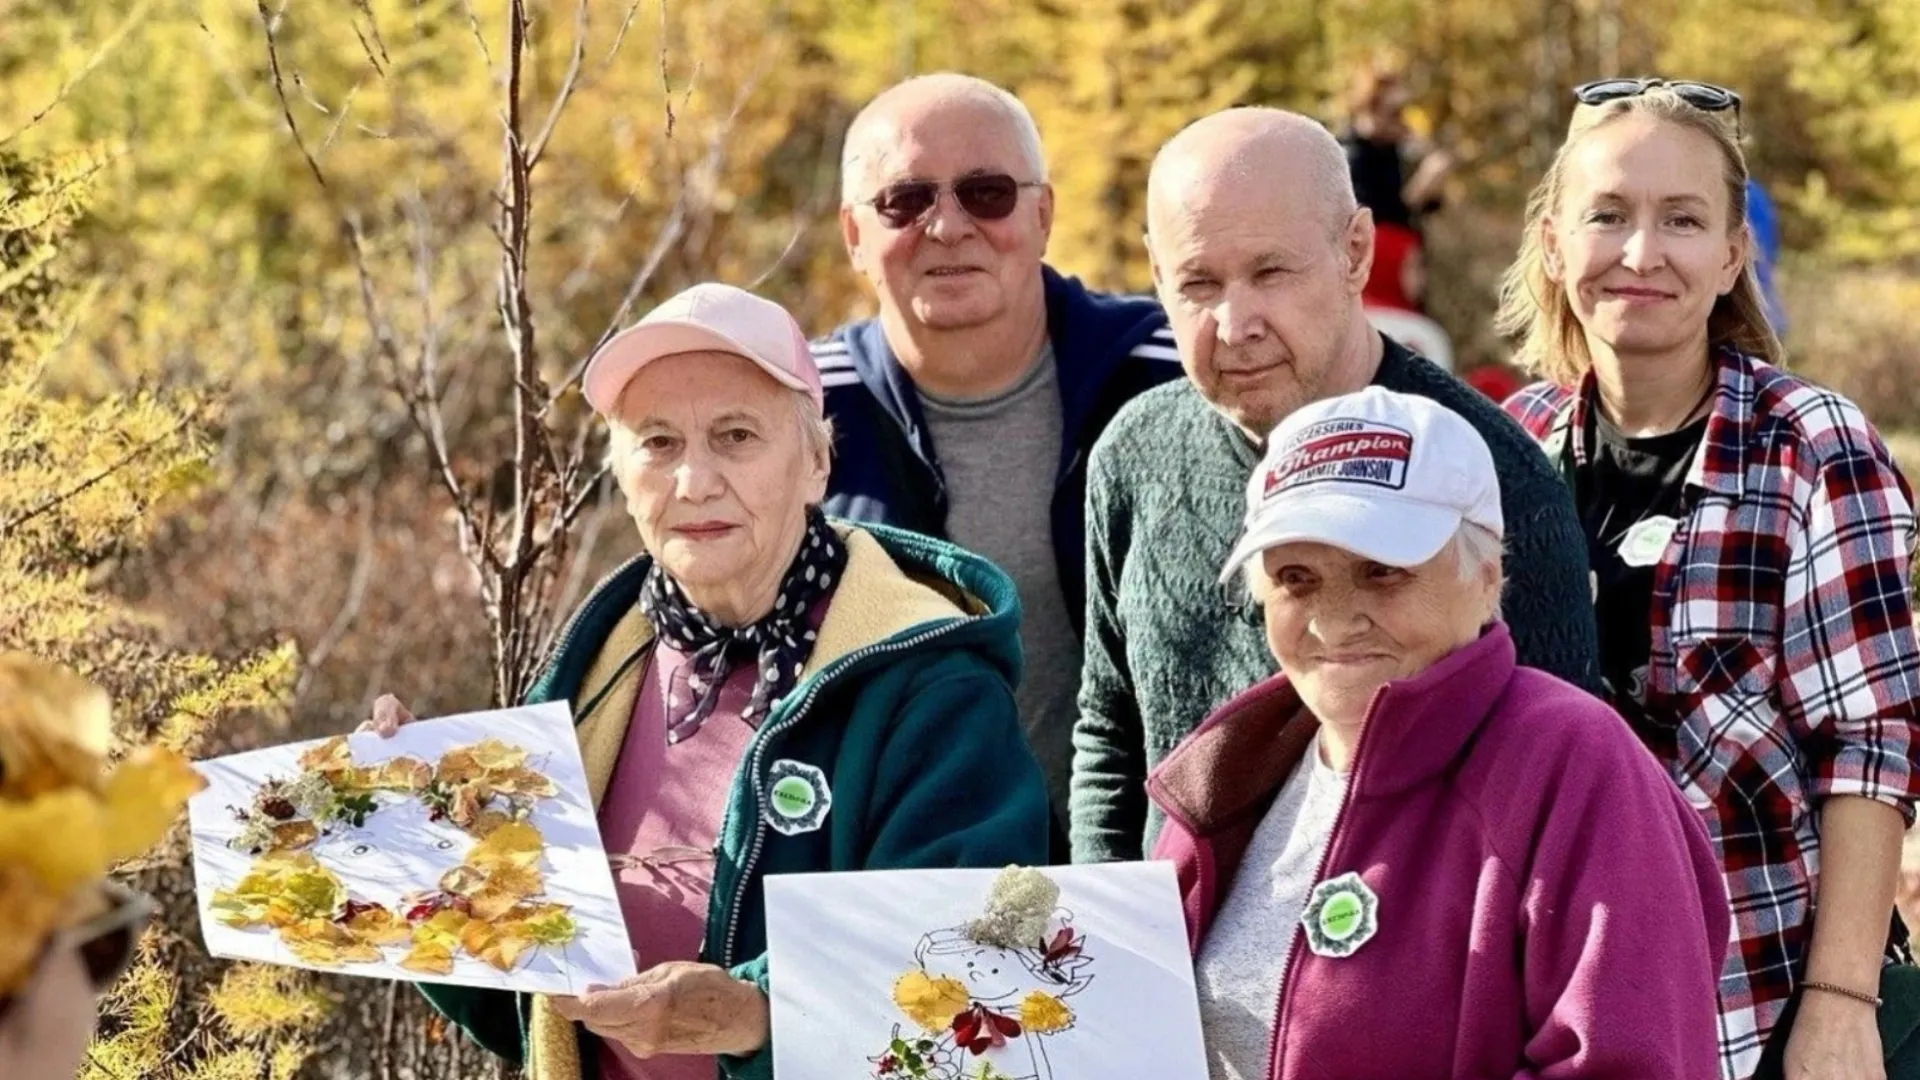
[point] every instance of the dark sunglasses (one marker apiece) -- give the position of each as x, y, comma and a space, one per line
984, 197
1703, 96
109, 941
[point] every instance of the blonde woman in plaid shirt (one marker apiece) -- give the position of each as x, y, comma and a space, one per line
1750, 539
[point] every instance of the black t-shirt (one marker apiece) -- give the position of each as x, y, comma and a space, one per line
1630, 493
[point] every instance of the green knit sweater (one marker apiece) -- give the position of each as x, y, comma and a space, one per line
1166, 644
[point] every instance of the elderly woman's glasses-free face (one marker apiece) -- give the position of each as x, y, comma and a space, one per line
984, 197
1703, 96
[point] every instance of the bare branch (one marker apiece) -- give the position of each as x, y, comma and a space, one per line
621, 37
793, 241
268, 23
373, 60
339, 120
584, 495
133, 18
582, 275
666, 82
373, 24
473, 22
300, 84
670, 233
567, 85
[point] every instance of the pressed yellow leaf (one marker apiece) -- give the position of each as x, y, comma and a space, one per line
1043, 1013
463, 880
523, 781
544, 924
429, 958
294, 835
378, 926
398, 774
469, 802
497, 945
443, 929
515, 844
494, 755
325, 942
929, 1002
487, 821
490, 904
457, 767
329, 757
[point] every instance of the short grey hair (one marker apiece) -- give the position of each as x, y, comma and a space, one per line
945, 86
1476, 549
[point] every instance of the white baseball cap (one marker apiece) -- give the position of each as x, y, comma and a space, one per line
709, 317
1389, 477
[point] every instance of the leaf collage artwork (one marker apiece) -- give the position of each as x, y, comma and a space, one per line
1020, 974
451, 852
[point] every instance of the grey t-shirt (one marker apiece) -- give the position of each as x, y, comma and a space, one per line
1000, 455
1243, 961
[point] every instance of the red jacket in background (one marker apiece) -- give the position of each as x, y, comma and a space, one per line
1548, 903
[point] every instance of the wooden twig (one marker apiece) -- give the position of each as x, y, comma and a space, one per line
666, 81
473, 23
567, 85
268, 22
373, 24
620, 38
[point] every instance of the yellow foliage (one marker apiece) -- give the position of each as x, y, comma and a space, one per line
253, 1001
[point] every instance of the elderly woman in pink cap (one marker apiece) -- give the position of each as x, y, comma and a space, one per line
1408, 856
760, 691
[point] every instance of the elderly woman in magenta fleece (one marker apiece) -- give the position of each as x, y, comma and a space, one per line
1408, 856
761, 691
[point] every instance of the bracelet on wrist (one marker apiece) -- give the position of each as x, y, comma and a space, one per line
1845, 992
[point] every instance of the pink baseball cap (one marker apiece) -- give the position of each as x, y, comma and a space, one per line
709, 317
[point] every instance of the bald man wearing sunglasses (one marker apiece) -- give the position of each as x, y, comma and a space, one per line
967, 409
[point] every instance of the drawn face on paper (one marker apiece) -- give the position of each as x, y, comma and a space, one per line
396, 850
991, 975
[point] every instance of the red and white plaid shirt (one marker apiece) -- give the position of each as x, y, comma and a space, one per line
1785, 667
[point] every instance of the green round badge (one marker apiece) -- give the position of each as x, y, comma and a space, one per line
792, 797
1340, 916
797, 797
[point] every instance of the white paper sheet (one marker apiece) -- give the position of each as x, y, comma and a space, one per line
399, 851
839, 942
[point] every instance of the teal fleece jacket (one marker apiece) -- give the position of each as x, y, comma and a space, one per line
907, 706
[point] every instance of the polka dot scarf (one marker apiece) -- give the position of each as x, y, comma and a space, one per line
780, 642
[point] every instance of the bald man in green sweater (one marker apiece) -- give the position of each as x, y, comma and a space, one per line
1259, 253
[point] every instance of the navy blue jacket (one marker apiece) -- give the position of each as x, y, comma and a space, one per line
886, 469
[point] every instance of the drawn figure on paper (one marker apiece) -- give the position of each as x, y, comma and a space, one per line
983, 1000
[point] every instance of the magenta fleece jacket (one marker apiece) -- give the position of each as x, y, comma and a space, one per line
1548, 905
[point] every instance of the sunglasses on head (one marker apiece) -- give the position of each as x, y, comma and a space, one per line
1703, 96
983, 196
